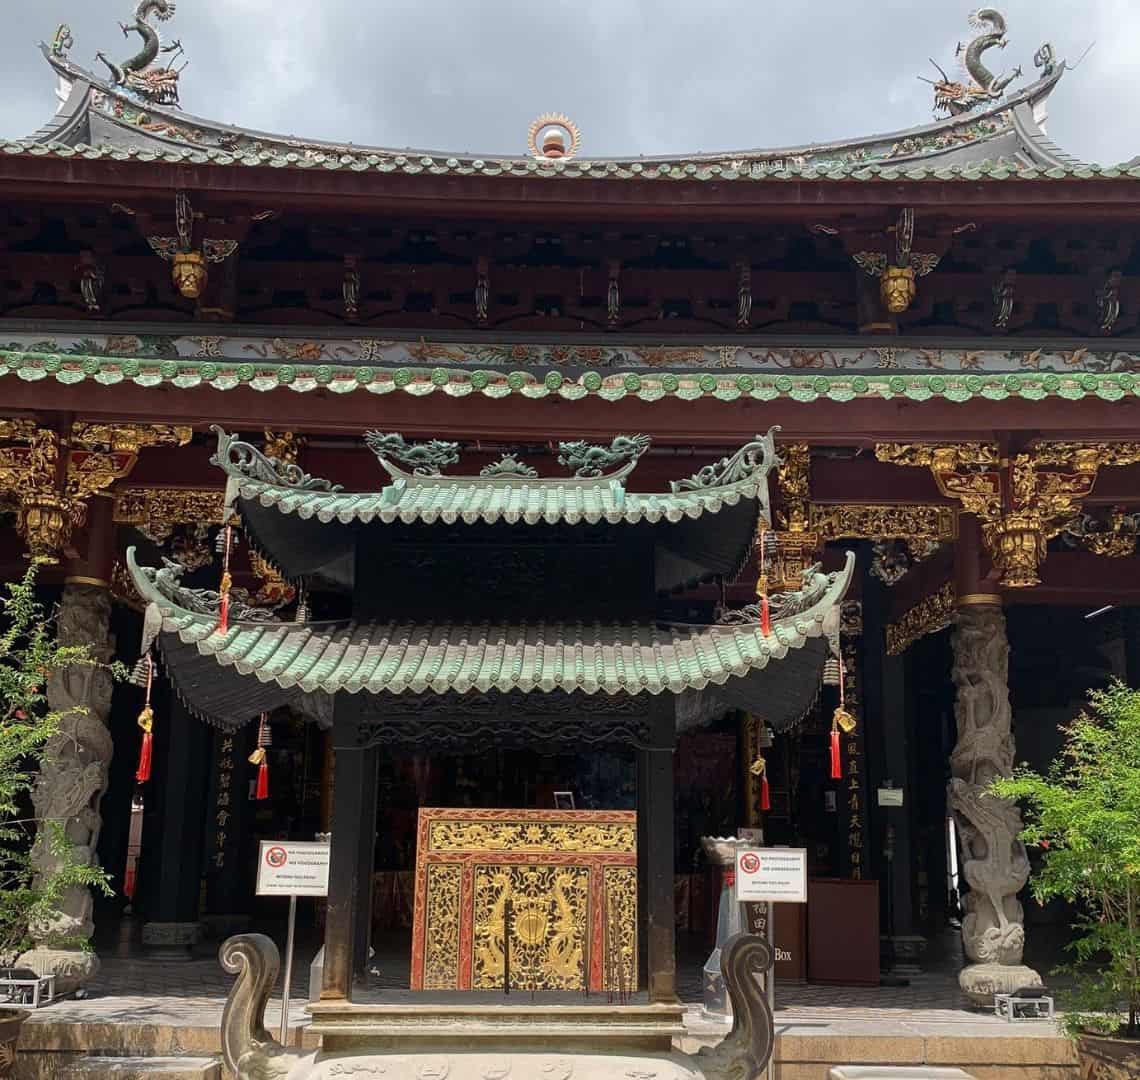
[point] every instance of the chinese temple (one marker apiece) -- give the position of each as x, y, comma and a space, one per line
581, 579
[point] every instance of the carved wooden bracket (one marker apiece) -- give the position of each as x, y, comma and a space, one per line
52, 474
1021, 501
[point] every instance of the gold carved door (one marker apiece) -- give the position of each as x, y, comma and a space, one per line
549, 894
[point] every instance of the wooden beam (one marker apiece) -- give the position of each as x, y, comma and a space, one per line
655, 815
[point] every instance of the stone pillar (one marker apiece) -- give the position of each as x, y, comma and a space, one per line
994, 862
76, 759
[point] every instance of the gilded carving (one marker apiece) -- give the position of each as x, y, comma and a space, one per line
441, 950
130, 438
794, 475
1022, 502
148, 507
52, 476
533, 837
928, 616
887, 521
550, 896
544, 909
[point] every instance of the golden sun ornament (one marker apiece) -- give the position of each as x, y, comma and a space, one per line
561, 138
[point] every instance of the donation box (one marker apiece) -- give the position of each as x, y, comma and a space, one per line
843, 931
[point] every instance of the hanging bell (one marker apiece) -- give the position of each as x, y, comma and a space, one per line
140, 673
831, 672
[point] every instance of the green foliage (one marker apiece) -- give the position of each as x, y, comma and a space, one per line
29, 655
1084, 816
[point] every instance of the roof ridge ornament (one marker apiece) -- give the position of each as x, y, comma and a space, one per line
139, 74
508, 466
814, 585
244, 461
167, 582
561, 138
426, 458
756, 458
954, 98
591, 462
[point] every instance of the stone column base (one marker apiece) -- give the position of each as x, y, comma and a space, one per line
73, 968
979, 982
170, 940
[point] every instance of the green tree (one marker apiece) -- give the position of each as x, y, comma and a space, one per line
1084, 816
29, 655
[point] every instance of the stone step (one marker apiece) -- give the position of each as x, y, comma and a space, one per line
143, 1068
896, 1072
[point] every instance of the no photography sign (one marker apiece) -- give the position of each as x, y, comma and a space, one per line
291, 868
778, 875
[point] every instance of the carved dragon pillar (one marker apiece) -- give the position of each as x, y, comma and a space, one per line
77, 758
61, 480
994, 862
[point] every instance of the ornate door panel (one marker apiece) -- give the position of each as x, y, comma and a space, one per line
553, 890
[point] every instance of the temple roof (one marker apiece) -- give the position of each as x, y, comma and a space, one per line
988, 131
254, 667
300, 521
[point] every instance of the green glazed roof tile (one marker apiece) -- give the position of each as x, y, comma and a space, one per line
400, 657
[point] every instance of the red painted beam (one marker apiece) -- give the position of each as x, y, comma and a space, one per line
705, 422
255, 188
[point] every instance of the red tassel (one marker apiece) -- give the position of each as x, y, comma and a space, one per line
142, 775
836, 765
765, 617
224, 613
262, 781
765, 794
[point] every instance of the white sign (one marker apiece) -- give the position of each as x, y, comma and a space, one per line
890, 796
771, 874
290, 868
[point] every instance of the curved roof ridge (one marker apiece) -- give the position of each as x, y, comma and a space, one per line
426, 495
1041, 150
168, 126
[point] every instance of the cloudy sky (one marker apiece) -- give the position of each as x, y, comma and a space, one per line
638, 76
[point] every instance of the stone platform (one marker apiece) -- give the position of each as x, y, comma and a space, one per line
142, 1007
810, 1037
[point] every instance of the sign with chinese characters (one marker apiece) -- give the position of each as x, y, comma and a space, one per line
852, 807
292, 868
223, 809
771, 874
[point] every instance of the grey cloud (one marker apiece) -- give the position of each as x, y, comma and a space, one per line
638, 76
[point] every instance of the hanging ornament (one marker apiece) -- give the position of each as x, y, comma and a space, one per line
760, 768
227, 581
260, 758
845, 720
762, 590
841, 718
146, 722
302, 614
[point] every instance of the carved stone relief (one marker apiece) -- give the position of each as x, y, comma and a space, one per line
994, 862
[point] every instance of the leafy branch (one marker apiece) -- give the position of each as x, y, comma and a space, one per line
1084, 816
29, 656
